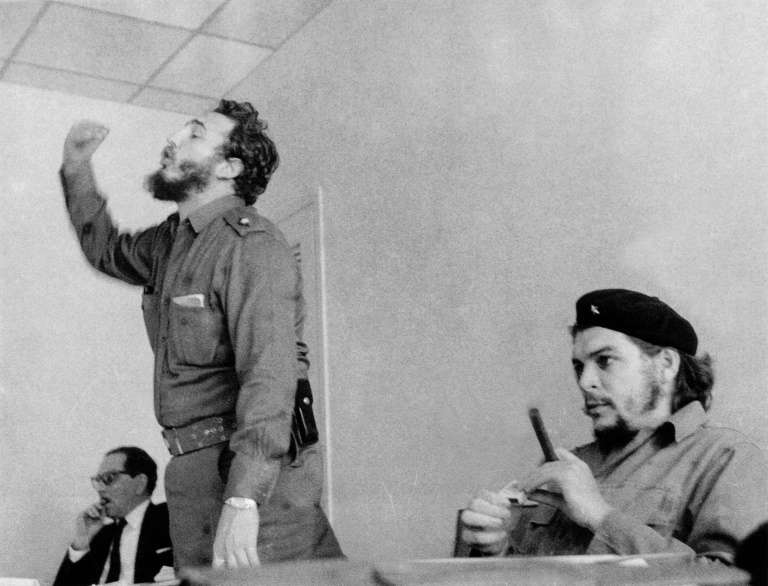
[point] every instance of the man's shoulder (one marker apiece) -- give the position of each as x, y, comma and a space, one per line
156, 520
715, 433
156, 514
246, 220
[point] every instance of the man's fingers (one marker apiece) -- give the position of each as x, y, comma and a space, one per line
482, 537
475, 519
495, 498
253, 557
218, 562
543, 474
494, 505
93, 512
83, 139
242, 558
566, 456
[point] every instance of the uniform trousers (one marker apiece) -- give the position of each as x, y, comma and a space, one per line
292, 525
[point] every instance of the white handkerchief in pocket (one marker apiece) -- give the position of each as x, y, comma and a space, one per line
192, 300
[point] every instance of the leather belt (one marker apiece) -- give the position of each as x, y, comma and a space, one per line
199, 435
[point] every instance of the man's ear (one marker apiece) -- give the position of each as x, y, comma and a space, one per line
229, 168
669, 364
141, 484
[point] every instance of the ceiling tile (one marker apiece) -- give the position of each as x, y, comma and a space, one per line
100, 44
15, 17
173, 102
188, 14
72, 83
209, 66
263, 22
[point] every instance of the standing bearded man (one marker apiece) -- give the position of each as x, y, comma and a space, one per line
223, 308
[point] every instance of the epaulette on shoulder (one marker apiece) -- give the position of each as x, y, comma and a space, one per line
245, 219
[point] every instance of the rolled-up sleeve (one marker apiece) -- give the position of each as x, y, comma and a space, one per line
261, 299
125, 256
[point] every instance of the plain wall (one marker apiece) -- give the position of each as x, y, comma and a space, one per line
485, 163
482, 165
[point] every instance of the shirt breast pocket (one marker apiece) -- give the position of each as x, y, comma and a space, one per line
196, 334
657, 507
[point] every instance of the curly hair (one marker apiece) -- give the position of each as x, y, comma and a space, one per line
249, 142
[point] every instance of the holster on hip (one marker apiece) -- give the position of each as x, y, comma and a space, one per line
304, 428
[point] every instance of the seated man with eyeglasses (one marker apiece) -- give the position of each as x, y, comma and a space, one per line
124, 536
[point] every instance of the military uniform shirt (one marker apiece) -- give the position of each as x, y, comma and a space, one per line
223, 309
687, 486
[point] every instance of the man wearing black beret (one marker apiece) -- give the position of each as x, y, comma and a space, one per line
659, 477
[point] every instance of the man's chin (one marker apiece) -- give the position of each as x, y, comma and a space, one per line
613, 436
163, 189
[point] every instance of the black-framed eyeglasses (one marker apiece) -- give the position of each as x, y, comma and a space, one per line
106, 478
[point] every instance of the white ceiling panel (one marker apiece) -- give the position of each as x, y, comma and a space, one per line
15, 17
175, 55
174, 102
264, 22
104, 45
188, 14
209, 66
71, 83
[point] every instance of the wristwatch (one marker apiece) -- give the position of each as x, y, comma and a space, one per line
240, 502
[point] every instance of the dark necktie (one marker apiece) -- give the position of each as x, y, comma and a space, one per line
114, 556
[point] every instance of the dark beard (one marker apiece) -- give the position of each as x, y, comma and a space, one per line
614, 438
620, 434
195, 178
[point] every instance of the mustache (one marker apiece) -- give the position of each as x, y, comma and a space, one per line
591, 402
167, 152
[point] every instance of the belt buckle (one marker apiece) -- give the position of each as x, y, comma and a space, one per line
172, 445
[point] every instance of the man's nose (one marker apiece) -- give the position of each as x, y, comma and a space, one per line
588, 378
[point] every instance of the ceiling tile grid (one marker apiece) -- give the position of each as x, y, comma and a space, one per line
177, 55
71, 83
173, 101
264, 22
209, 66
15, 19
100, 44
188, 14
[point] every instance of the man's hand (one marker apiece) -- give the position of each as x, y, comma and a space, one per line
585, 504
82, 141
236, 535
87, 525
486, 521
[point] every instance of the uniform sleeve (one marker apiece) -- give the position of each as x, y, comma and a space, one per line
127, 257
261, 312
728, 503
